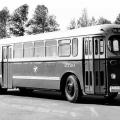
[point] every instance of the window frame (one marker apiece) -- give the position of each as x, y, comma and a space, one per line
114, 46
76, 46
86, 46
96, 48
28, 48
38, 47
51, 46
102, 46
22, 51
62, 44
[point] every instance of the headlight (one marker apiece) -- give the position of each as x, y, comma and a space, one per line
113, 62
113, 76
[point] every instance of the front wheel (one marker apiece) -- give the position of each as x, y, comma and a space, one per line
72, 89
111, 96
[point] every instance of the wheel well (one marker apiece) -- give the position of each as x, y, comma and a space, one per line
63, 81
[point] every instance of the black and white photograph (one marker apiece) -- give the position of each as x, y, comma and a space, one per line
59, 60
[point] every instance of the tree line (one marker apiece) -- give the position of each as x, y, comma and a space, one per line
18, 23
84, 21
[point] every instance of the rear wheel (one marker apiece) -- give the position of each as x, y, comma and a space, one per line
25, 91
3, 90
72, 89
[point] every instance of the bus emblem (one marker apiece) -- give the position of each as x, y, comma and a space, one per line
35, 68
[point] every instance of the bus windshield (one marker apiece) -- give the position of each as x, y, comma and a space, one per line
114, 44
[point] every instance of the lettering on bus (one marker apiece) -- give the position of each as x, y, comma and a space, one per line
69, 65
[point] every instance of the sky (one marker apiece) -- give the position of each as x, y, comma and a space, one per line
66, 10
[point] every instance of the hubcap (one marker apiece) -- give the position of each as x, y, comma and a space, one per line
70, 88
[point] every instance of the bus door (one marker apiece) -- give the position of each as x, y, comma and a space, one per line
99, 65
6, 55
88, 65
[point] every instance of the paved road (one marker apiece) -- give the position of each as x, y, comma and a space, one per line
47, 106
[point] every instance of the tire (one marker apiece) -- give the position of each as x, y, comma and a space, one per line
3, 90
112, 96
25, 91
72, 89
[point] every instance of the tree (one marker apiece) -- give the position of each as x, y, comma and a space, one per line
40, 16
83, 21
72, 25
102, 20
92, 22
52, 24
4, 15
41, 21
117, 21
38, 22
17, 21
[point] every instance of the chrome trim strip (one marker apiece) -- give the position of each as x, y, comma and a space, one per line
36, 77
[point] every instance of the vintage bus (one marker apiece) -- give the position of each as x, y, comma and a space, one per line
78, 62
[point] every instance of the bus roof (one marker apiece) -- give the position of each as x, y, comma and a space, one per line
92, 30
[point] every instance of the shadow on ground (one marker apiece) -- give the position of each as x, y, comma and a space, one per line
54, 95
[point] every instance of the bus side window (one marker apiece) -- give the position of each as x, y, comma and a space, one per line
28, 49
90, 47
86, 83
115, 45
102, 77
74, 47
18, 50
101, 46
96, 47
0, 52
86, 47
4, 53
10, 54
64, 48
39, 49
96, 77
51, 48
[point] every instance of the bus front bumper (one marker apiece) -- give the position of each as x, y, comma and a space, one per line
114, 88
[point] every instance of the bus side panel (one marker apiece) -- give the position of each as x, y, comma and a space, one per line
34, 75
0, 66
44, 74
10, 73
1, 74
74, 67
